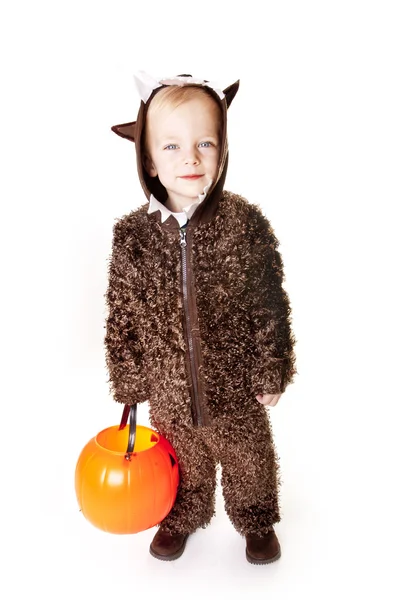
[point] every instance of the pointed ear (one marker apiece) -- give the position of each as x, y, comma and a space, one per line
231, 91
125, 130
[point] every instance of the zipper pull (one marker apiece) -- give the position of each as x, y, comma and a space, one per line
183, 238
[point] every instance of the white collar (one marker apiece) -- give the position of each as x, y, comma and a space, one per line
181, 217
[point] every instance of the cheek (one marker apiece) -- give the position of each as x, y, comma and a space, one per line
166, 161
208, 156
212, 162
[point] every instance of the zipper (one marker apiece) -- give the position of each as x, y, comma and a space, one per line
198, 416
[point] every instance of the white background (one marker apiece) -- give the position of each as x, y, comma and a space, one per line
314, 139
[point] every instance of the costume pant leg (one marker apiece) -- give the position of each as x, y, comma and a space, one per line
250, 474
195, 502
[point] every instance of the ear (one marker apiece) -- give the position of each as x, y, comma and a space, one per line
149, 165
231, 91
125, 130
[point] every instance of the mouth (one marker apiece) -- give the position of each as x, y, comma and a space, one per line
191, 177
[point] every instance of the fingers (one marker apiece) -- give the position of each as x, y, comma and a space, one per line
275, 400
268, 399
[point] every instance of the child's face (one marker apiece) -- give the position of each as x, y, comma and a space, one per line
183, 148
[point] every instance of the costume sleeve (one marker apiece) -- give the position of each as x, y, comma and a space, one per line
274, 365
124, 348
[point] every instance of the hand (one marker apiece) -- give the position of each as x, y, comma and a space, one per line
268, 399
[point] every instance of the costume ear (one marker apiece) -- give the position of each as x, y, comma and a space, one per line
231, 91
126, 130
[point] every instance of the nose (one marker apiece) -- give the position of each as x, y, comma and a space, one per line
192, 157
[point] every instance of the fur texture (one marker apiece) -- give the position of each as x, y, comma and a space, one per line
246, 349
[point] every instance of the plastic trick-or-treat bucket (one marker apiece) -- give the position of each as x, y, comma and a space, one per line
126, 478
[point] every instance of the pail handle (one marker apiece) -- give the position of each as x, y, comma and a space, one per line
129, 411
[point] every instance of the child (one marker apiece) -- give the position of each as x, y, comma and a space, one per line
199, 323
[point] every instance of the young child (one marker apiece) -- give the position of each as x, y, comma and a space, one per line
199, 323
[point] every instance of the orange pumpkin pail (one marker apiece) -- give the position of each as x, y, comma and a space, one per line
126, 479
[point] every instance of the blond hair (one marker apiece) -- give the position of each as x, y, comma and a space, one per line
174, 95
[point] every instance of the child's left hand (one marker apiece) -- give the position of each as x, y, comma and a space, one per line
268, 399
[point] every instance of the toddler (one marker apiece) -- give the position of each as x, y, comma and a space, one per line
198, 320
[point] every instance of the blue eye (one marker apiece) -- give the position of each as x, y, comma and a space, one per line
170, 147
205, 144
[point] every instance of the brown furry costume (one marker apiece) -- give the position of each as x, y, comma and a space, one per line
198, 331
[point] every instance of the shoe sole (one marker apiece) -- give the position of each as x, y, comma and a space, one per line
262, 561
174, 556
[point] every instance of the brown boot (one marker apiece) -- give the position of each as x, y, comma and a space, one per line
262, 550
167, 546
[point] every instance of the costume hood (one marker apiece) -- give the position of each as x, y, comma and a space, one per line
133, 131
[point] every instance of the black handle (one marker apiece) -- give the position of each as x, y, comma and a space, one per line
129, 411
